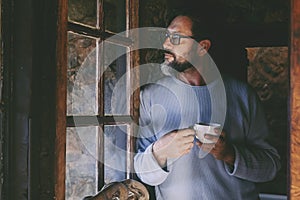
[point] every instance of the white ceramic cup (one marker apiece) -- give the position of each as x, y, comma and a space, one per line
205, 128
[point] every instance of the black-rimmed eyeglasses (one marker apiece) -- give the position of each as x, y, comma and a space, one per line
175, 37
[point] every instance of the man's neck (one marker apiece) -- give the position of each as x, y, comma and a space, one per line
191, 76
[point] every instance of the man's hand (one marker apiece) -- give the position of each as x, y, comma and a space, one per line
173, 145
221, 149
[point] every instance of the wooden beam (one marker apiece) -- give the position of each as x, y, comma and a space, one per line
132, 14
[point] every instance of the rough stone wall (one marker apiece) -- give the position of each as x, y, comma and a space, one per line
81, 162
81, 165
81, 159
268, 73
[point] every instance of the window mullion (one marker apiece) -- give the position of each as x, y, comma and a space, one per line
132, 16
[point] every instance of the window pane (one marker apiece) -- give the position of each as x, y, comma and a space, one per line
82, 75
116, 96
115, 15
81, 162
115, 141
83, 11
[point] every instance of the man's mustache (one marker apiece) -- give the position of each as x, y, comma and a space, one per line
169, 52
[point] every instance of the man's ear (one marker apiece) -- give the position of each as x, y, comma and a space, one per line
203, 47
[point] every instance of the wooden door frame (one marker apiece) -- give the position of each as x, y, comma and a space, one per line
294, 112
61, 99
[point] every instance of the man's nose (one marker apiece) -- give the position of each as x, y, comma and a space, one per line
167, 43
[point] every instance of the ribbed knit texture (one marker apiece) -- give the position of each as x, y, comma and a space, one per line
171, 104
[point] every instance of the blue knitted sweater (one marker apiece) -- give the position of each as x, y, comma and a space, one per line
170, 104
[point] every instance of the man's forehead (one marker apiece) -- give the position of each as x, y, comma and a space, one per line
181, 24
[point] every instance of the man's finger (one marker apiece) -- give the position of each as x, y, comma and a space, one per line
213, 138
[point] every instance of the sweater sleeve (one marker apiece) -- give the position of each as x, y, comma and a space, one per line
145, 164
255, 159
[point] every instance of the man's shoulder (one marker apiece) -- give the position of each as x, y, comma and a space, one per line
238, 87
231, 81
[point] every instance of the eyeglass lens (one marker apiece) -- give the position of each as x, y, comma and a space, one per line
174, 38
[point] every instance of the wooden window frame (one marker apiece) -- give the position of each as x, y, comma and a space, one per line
62, 122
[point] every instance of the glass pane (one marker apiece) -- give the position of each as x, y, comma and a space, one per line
116, 96
268, 73
83, 11
82, 76
115, 141
81, 162
115, 15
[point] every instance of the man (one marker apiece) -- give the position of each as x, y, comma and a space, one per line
169, 156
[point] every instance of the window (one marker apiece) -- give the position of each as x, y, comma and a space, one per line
100, 104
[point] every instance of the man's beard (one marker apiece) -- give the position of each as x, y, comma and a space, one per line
180, 67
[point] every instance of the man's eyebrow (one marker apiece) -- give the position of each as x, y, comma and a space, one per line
174, 32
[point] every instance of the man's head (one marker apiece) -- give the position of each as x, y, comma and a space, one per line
184, 44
